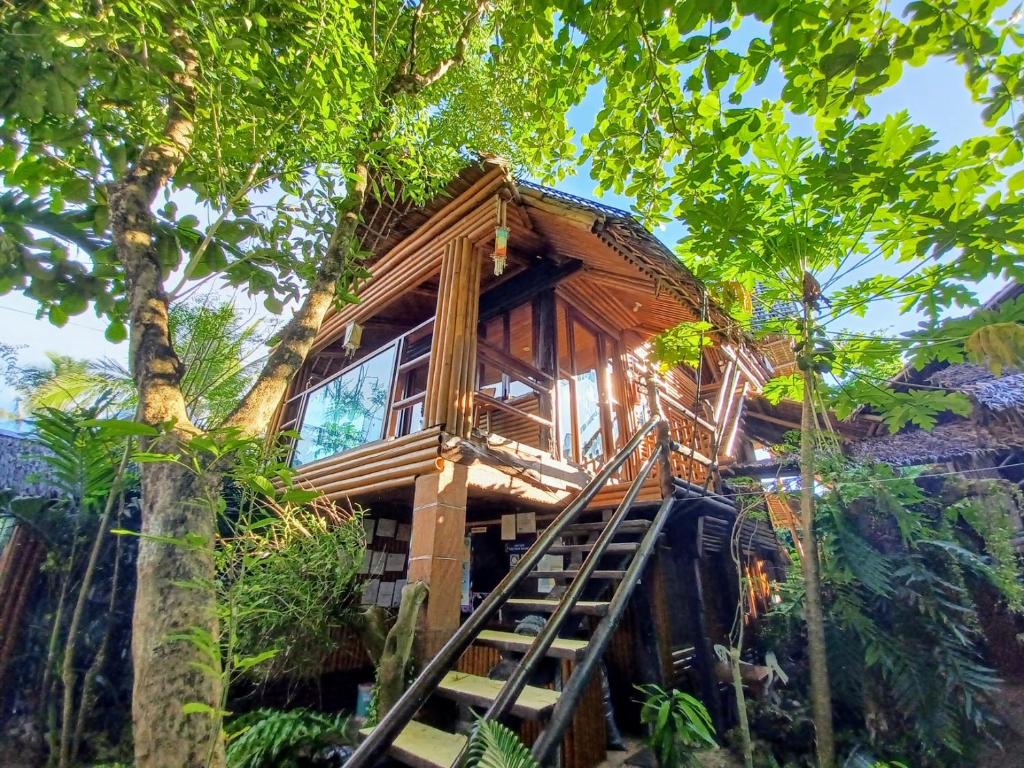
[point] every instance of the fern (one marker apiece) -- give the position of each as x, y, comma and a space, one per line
272, 738
495, 746
901, 623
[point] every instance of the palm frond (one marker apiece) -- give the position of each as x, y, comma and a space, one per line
495, 746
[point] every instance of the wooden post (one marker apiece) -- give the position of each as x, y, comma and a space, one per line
648, 637
451, 378
664, 437
689, 561
545, 357
436, 552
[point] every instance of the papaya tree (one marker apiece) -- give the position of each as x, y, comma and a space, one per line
694, 126
114, 115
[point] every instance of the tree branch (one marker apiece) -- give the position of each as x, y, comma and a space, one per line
257, 407
413, 82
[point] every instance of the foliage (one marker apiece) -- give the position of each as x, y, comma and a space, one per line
289, 583
494, 745
680, 726
683, 344
903, 638
1000, 346
78, 453
215, 349
291, 98
271, 738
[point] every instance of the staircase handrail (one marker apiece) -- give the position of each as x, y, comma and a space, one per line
385, 732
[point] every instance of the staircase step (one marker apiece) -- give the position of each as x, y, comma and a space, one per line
509, 641
628, 526
421, 746
586, 607
569, 575
532, 703
615, 548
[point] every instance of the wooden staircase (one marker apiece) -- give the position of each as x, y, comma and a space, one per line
606, 562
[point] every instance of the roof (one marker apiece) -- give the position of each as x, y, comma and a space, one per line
387, 221
997, 393
945, 443
621, 232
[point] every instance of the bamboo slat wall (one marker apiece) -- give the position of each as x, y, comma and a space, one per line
19, 567
583, 745
516, 428
374, 467
420, 255
452, 377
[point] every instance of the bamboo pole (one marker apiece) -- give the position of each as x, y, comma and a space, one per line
451, 360
406, 442
437, 340
383, 485
367, 471
366, 483
447, 299
390, 459
469, 369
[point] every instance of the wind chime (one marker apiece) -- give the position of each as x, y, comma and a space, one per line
501, 239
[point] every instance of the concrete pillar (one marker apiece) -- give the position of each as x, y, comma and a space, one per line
436, 552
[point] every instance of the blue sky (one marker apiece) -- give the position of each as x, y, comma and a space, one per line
934, 95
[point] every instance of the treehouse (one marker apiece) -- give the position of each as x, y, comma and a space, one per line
491, 402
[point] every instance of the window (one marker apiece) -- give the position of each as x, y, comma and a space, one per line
348, 410
589, 406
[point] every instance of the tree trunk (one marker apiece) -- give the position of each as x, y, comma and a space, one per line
175, 598
821, 695
175, 593
257, 407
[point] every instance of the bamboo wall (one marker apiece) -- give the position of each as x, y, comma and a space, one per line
19, 567
420, 256
374, 467
451, 379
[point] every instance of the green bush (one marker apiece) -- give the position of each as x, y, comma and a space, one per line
680, 726
272, 738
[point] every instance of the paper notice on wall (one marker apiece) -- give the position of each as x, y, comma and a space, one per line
404, 532
508, 527
526, 522
386, 594
395, 562
549, 563
386, 528
396, 600
365, 567
378, 562
370, 590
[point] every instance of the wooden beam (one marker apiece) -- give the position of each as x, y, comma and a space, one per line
541, 276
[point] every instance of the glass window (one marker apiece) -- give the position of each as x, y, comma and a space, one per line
565, 428
347, 411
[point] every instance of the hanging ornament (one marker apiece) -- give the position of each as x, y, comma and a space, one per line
501, 233
500, 249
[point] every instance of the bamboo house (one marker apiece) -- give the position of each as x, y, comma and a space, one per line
492, 403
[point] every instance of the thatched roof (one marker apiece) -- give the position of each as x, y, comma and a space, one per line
947, 442
997, 393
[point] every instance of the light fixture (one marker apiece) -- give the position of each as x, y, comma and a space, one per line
353, 338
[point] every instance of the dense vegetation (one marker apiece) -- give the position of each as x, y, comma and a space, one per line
280, 119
